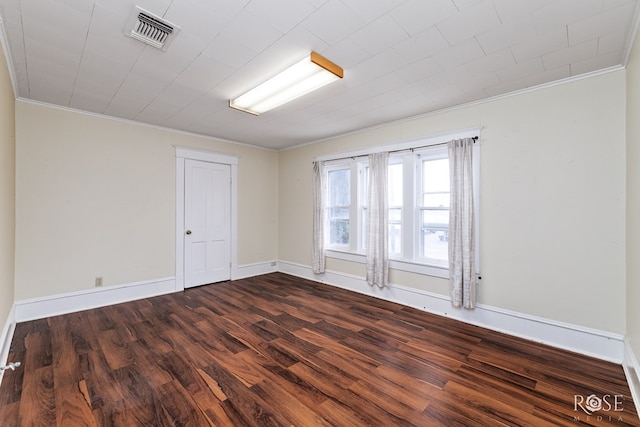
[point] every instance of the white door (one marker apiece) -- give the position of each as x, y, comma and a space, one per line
207, 220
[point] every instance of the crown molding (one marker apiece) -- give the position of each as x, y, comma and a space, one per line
465, 105
8, 58
135, 122
631, 37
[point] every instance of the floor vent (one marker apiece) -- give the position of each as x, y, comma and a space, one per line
150, 29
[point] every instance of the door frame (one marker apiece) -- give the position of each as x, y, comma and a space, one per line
183, 153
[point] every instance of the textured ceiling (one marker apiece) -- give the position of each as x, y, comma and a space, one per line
401, 57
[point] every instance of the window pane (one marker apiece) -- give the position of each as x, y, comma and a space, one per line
339, 231
338, 226
363, 230
395, 192
395, 231
365, 187
436, 200
434, 234
435, 176
395, 239
395, 184
339, 213
339, 200
339, 188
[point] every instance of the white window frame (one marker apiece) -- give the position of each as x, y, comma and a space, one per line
394, 160
409, 261
426, 154
361, 166
327, 234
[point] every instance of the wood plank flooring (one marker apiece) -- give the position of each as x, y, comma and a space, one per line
276, 350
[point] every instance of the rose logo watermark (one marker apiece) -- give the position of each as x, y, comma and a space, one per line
607, 407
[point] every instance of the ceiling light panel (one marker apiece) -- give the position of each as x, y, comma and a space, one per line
310, 73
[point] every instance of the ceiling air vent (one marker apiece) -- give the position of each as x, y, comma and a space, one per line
150, 29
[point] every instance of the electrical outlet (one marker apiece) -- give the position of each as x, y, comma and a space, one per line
98, 281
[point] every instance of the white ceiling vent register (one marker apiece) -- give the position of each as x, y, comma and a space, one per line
150, 29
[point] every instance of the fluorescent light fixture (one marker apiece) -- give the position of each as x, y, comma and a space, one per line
310, 73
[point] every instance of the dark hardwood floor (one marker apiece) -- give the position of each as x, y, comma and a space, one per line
276, 350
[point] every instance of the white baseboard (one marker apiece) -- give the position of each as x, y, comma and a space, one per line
256, 269
591, 342
632, 371
39, 308
6, 337
600, 344
53, 305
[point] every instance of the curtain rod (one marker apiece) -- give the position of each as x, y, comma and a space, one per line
475, 138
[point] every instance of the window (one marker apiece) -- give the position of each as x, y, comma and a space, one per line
395, 190
395, 195
338, 206
433, 207
419, 201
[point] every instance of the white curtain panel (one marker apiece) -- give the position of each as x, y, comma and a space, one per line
318, 218
461, 224
377, 221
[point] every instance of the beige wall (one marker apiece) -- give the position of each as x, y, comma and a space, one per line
7, 191
633, 199
552, 200
96, 197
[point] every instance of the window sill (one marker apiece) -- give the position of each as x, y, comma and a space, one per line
395, 264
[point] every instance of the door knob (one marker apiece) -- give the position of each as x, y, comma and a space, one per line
188, 232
